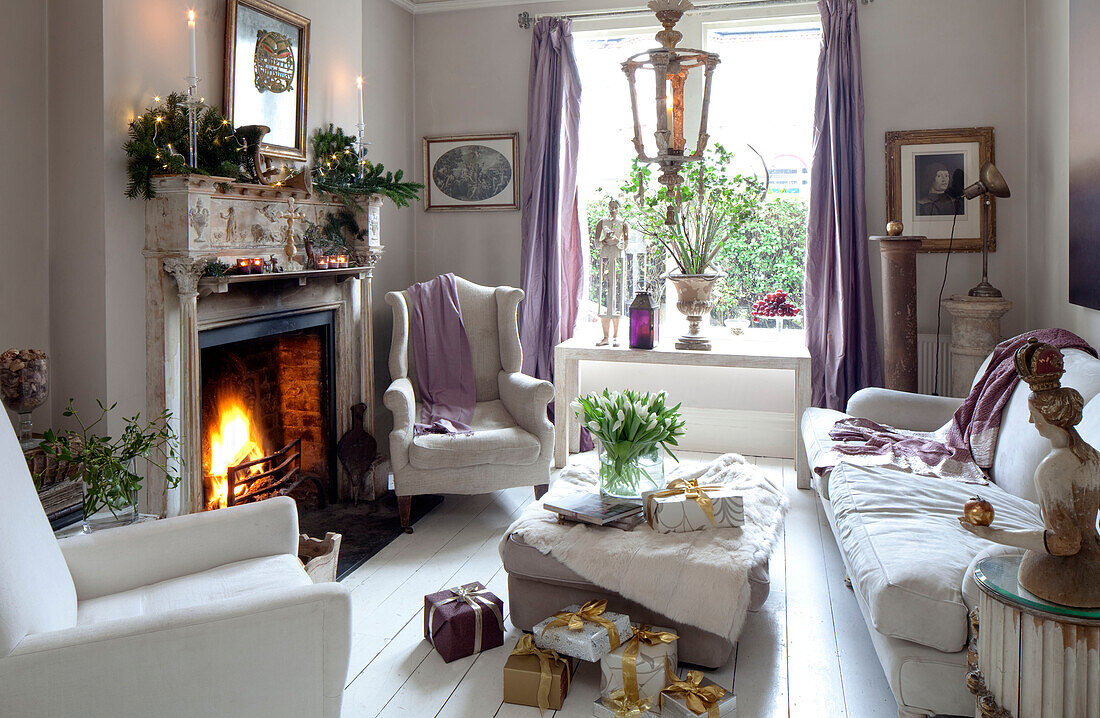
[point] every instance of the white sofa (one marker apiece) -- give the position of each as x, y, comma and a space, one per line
203, 615
909, 562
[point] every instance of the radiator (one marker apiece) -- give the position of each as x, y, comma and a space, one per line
926, 364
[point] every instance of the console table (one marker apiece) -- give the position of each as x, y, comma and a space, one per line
1030, 658
733, 353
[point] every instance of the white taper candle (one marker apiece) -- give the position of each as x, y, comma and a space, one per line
191, 35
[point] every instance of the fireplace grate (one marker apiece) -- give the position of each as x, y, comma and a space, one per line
274, 475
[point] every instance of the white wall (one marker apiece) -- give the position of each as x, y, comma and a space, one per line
24, 237
78, 276
388, 44
1048, 172
937, 64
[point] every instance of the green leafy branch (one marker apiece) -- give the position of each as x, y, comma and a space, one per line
107, 464
340, 170
157, 144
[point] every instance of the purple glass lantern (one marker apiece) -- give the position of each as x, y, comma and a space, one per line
643, 322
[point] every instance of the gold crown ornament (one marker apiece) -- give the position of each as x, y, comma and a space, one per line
1040, 365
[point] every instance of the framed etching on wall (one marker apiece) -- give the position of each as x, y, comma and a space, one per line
465, 172
926, 171
267, 73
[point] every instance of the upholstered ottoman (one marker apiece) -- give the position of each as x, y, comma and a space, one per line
539, 585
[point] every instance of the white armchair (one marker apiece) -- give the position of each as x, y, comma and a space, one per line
513, 441
203, 615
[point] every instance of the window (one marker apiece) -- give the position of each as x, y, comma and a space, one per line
761, 109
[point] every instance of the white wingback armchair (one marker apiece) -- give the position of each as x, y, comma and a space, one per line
203, 615
513, 441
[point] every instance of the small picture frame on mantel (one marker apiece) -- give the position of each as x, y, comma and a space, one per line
924, 168
472, 172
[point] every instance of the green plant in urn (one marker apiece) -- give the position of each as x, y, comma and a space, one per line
631, 428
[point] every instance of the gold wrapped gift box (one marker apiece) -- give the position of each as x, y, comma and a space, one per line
524, 675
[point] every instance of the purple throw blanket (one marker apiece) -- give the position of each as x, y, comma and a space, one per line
968, 443
975, 424
441, 350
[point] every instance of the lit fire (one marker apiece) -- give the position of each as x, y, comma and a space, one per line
233, 442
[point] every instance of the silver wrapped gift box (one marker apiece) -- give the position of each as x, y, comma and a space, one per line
684, 506
653, 656
587, 632
696, 697
606, 708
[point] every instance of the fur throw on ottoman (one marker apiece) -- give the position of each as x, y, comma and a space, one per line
699, 578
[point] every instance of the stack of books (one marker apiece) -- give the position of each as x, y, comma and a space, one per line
596, 509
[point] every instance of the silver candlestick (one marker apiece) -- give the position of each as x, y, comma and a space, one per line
362, 149
193, 103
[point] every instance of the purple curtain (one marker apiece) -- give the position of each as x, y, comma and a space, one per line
551, 257
840, 318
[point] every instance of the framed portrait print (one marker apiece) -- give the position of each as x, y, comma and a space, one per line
267, 73
464, 172
926, 170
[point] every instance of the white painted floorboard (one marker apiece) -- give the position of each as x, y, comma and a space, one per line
805, 654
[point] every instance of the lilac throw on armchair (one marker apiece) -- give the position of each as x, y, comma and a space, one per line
441, 351
840, 317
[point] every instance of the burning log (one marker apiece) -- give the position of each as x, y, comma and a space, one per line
274, 475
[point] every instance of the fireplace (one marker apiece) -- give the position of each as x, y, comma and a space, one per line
200, 322
268, 398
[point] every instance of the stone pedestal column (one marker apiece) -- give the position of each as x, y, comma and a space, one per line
899, 310
975, 330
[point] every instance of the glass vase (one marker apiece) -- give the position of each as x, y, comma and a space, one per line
118, 509
629, 478
24, 386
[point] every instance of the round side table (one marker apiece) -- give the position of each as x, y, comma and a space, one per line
1030, 658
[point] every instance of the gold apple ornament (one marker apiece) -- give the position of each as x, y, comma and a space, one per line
978, 511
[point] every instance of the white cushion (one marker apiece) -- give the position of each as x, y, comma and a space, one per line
36, 589
252, 576
496, 440
816, 425
906, 552
1019, 446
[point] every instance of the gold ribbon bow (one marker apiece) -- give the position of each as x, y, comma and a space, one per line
699, 699
630, 656
691, 490
591, 612
624, 707
527, 647
476, 598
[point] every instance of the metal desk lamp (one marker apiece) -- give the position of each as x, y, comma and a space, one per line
990, 182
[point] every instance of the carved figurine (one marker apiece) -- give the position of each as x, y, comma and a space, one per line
230, 224
1062, 560
611, 236
291, 216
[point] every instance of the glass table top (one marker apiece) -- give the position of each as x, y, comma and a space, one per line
1000, 575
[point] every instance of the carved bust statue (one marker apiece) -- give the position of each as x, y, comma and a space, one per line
1062, 560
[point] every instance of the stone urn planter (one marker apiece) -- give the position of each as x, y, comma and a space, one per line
693, 299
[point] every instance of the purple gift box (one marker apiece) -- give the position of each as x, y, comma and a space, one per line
464, 620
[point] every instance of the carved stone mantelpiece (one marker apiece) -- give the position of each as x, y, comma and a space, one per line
196, 218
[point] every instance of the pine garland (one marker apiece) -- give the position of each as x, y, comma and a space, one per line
158, 145
337, 171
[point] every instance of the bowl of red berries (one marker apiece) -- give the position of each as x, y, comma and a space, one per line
775, 306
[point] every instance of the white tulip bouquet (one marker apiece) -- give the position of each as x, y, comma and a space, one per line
629, 425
